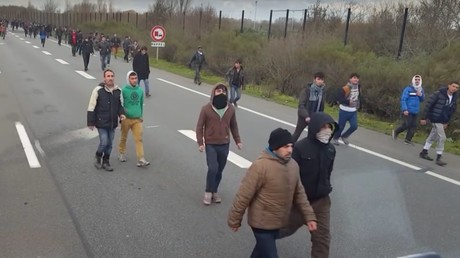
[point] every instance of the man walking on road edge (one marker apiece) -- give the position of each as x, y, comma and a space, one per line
104, 110
216, 120
197, 61
439, 110
269, 189
133, 104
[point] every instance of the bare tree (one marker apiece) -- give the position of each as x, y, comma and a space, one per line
67, 6
85, 6
50, 6
111, 7
183, 5
30, 6
101, 6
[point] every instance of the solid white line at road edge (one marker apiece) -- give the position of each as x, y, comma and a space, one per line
396, 161
232, 157
27, 145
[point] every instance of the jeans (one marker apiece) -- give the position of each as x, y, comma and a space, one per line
197, 74
104, 60
146, 85
409, 124
265, 243
216, 158
235, 93
105, 140
344, 117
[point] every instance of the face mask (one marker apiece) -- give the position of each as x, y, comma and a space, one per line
324, 135
219, 101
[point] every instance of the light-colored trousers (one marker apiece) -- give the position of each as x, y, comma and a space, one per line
437, 135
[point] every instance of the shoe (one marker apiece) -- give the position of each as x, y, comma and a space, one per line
424, 155
235, 105
122, 157
345, 140
393, 135
98, 162
407, 142
199, 83
207, 198
440, 162
148, 95
106, 164
216, 198
86, 69
335, 142
143, 163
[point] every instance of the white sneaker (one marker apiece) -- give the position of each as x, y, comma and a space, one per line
122, 157
143, 163
207, 198
345, 140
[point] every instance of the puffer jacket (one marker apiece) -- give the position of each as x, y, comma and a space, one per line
437, 108
410, 101
269, 189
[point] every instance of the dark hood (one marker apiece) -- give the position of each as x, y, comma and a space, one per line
317, 121
214, 89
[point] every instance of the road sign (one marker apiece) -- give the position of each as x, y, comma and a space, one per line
158, 33
158, 44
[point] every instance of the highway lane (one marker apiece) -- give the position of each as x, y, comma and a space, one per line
134, 213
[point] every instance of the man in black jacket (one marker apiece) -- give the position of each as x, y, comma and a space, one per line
315, 155
439, 110
104, 111
311, 100
197, 61
141, 66
86, 51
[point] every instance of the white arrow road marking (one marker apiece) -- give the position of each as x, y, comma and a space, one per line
35, 46
27, 145
46, 53
87, 76
61, 61
232, 157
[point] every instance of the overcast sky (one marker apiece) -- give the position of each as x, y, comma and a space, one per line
229, 8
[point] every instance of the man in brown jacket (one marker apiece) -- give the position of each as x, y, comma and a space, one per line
269, 189
216, 120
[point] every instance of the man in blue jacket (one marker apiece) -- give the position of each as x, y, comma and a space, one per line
439, 110
411, 97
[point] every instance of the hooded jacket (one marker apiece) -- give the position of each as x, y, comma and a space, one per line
133, 99
212, 129
315, 158
104, 107
409, 100
438, 109
269, 190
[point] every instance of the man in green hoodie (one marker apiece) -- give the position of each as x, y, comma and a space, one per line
133, 103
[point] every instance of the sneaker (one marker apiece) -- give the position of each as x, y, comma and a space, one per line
98, 162
199, 83
148, 95
393, 135
216, 198
143, 163
122, 157
207, 198
345, 140
407, 142
106, 166
440, 162
335, 142
424, 155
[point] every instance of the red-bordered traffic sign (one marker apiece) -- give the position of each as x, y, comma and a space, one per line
158, 33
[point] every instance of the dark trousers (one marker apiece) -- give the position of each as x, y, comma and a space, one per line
86, 57
301, 124
410, 124
74, 50
321, 238
197, 78
59, 40
216, 158
126, 54
265, 243
344, 117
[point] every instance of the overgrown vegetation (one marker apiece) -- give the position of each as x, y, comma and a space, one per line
278, 68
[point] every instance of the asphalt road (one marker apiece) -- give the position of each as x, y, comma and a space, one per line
386, 201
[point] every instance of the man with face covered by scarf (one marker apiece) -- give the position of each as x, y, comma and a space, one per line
217, 119
315, 155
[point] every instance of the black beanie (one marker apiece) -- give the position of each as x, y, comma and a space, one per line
279, 138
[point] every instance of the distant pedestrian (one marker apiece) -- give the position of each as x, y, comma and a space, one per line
217, 119
116, 42
235, 78
126, 47
73, 41
411, 98
42, 34
141, 65
133, 104
315, 156
439, 110
349, 99
197, 62
104, 51
86, 51
311, 100
269, 190
104, 110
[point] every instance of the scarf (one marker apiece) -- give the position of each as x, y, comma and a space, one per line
316, 94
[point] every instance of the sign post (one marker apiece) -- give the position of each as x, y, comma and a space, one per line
158, 34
